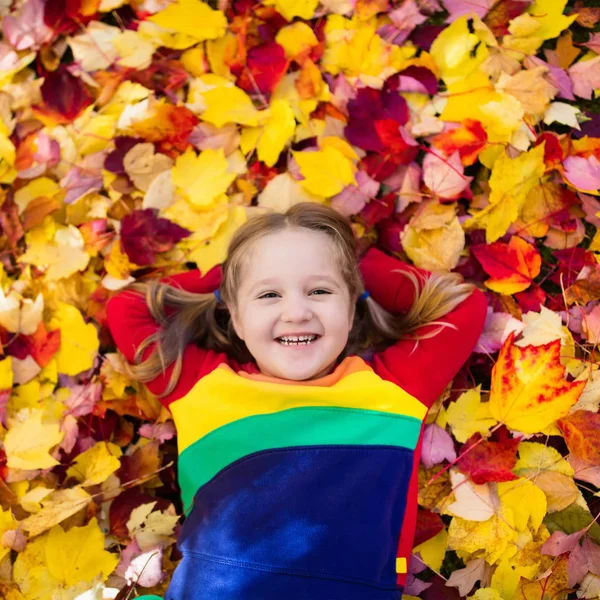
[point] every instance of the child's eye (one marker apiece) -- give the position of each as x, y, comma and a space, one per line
271, 294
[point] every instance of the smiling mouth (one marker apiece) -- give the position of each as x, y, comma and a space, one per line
306, 342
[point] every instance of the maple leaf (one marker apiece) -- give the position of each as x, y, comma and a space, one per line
434, 238
192, 18
444, 176
27, 445
529, 391
489, 460
512, 266
581, 430
469, 139
510, 183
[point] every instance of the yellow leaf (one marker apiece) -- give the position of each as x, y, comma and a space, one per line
505, 580
27, 444
95, 134
7, 156
193, 18
135, 50
530, 88
533, 455
296, 38
510, 182
354, 48
41, 186
326, 171
214, 251
456, 51
468, 415
284, 191
78, 554
62, 255
31, 501
117, 263
544, 20
202, 177
31, 572
92, 48
434, 239
560, 490
305, 9
151, 527
526, 500
6, 373
489, 539
278, 130
79, 341
95, 464
229, 104
529, 391
487, 594
433, 550
7, 522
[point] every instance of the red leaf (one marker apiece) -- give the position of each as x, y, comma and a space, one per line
65, 96
266, 64
429, 524
490, 460
502, 13
401, 148
143, 234
43, 345
581, 430
470, 138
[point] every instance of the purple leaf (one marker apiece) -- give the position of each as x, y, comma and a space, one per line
437, 446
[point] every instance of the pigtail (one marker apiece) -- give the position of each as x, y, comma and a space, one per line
184, 317
435, 296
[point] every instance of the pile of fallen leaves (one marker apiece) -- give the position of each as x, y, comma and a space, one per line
135, 137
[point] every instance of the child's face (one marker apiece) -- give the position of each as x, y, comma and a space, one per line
305, 294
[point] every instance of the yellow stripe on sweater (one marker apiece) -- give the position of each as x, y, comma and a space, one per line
222, 397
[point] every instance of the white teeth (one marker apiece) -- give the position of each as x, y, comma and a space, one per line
301, 340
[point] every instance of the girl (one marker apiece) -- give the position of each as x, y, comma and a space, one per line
298, 456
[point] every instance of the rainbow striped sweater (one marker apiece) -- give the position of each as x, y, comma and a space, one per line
302, 490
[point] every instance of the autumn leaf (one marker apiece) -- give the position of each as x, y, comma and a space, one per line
512, 266
325, 172
469, 139
581, 430
202, 177
529, 391
27, 445
192, 18
95, 464
489, 460
510, 183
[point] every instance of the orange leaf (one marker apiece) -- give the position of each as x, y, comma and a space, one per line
512, 266
529, 391
581, 431
170, 125
469, 139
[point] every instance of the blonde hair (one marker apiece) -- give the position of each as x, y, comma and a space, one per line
199, 318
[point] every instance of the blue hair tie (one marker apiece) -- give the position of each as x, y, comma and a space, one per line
218, 295
364, 295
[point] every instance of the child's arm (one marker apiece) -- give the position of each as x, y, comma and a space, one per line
130, 322
425, 370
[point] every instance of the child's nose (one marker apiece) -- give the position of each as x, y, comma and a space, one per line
296, 309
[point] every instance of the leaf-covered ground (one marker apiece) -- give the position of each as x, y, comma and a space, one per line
135, 137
